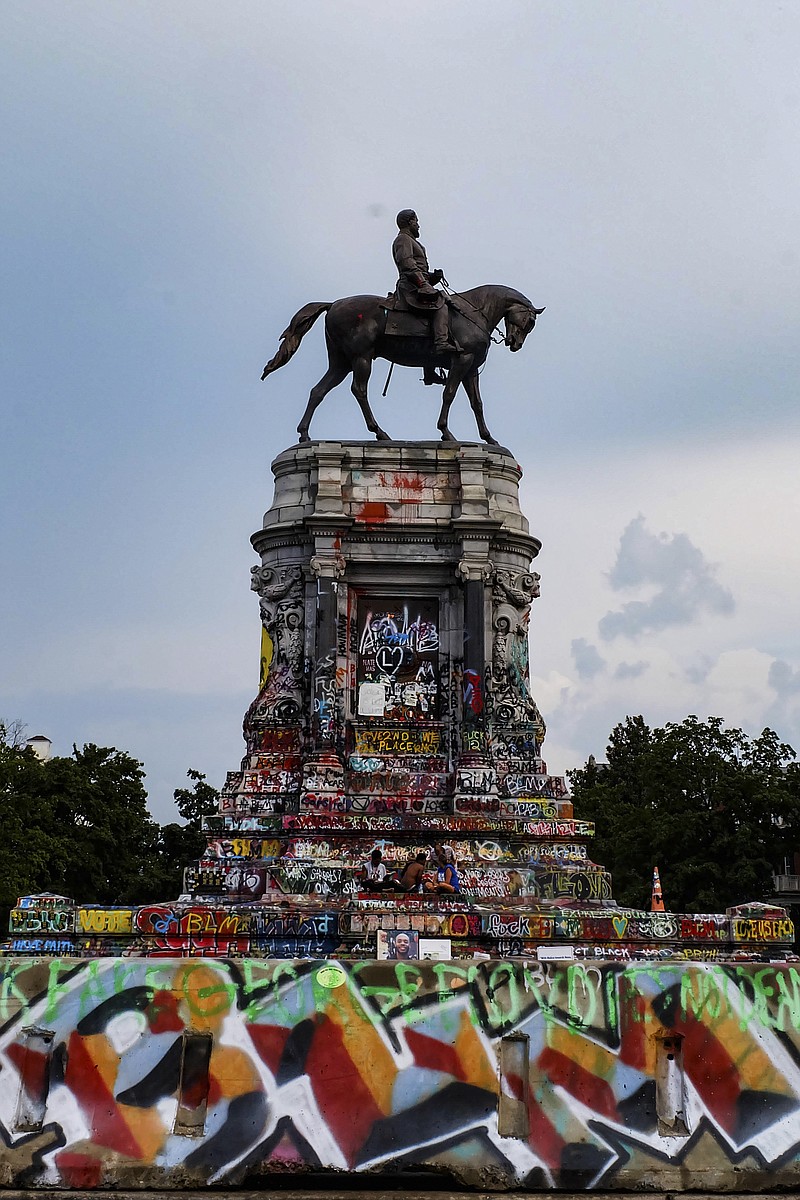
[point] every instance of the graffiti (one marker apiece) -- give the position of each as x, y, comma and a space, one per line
247, 847
420, 783
518, 925
323, 777
268, 781
226, 822
749, 929
193, 930
473, 692
233, 783
518, 743
105, 920
301, 878
410, 804
398, 659
277, 740
397, 741
325, 698
474, 741
258, 804
525, 809
41, 919
265, 923
361, 1066
232, 879
519, 786
476, 781
713, 928
488, 883
338, 820
42, 946
324, 802
579, 885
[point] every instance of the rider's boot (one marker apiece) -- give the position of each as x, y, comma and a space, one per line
441, 331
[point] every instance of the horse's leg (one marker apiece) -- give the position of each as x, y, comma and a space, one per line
338, 368
459, 367
472, 388
362, 367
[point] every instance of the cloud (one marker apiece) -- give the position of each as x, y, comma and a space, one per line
588, 661
627, 670
684, 580
698, 672
783, 679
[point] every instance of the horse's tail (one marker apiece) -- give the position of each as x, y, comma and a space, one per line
291, 338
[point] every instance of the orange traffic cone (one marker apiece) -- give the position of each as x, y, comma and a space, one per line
656, 899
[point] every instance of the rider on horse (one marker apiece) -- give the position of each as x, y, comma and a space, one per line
415, 290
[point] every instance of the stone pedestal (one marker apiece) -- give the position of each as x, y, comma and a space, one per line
395, 589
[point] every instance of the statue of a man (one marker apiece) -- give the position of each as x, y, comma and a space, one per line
415, 287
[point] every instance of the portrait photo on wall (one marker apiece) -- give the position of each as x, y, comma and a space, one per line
398, 943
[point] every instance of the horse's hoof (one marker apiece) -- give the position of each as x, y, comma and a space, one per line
303, 437
447, 436
380, 436
490, 440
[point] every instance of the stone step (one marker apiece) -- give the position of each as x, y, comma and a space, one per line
355, 850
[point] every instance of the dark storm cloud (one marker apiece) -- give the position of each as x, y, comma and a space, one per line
683, 578
588, 662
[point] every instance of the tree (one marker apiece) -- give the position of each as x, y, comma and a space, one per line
78, 826
713, 809
25, 847
181, 845
12, 733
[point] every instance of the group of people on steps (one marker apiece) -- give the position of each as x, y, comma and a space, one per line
418, 873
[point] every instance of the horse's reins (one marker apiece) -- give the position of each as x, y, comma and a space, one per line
498, 341
449, 292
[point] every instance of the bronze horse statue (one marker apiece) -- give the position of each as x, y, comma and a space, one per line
355, 334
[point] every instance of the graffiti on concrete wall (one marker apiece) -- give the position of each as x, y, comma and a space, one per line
577, 1076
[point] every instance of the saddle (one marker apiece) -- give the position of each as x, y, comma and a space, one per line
402, 323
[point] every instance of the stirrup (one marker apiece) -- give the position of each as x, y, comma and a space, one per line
434, 375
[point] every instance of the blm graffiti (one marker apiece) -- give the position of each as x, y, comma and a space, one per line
398, 659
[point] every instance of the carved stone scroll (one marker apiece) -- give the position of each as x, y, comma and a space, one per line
281, 603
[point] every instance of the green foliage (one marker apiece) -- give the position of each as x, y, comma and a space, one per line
181, 845
715, 810
80, 826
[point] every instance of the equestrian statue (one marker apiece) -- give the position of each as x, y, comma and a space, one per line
416, 326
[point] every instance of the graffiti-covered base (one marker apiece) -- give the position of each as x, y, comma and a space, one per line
177, 1072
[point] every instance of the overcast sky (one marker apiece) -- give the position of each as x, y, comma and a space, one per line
178, 179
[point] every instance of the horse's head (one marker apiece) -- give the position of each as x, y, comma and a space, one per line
520, 320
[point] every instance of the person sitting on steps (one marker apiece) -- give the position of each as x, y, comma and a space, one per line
375, 877
411, 878
447, 881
